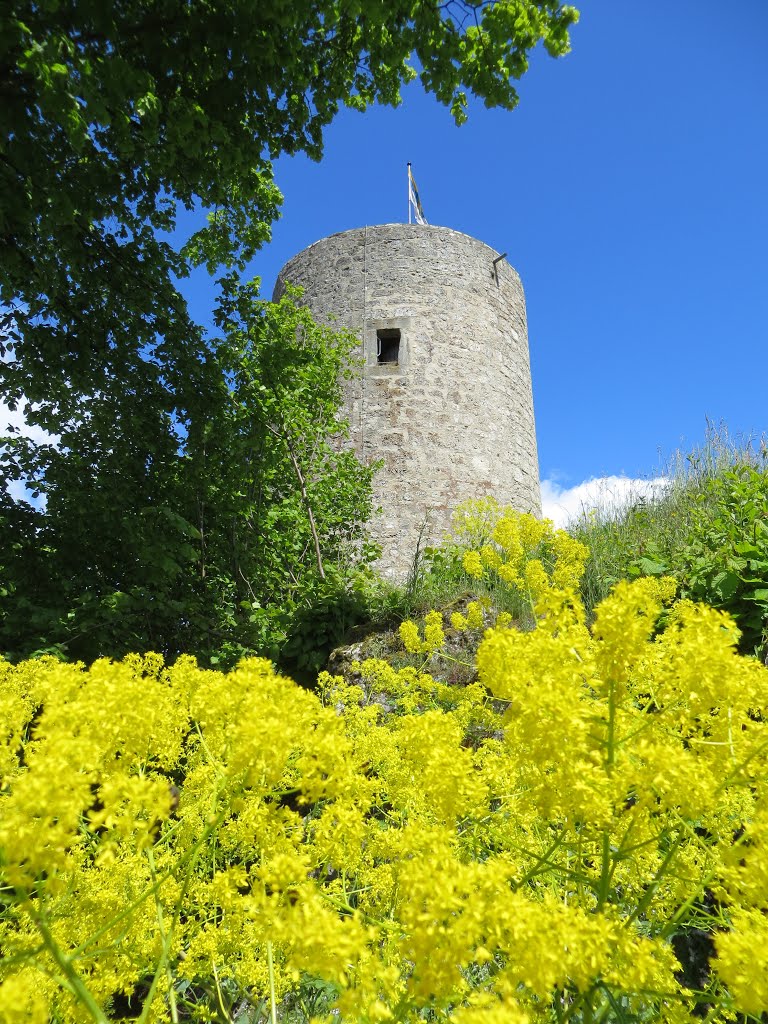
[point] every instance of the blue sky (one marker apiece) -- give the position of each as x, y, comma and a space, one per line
630, 189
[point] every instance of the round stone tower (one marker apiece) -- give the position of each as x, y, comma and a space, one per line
444, 394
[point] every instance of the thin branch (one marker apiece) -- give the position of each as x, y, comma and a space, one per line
304, 496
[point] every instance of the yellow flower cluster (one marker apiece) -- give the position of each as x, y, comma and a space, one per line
474, 619
528, 554
196, 845
433, 639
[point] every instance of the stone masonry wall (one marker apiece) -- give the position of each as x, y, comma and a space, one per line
453, 418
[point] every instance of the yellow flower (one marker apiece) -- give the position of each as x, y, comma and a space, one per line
742, 961
421, 848
473, 565
434, 637
490, 556
409, 634
475, 618
22, 998
536, 578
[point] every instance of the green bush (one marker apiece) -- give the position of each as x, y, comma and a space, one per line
722, 559
707, 527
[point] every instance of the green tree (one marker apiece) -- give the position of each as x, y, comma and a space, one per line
115, 113
192, 484
279, 503
198, 536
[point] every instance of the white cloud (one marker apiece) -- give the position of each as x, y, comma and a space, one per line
607, 494
20, 492
14, 421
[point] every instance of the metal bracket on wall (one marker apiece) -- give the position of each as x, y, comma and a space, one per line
496, 267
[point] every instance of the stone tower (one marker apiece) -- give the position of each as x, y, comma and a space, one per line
444, 397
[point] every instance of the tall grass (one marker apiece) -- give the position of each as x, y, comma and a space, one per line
636, 536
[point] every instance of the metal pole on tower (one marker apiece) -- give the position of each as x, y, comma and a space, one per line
409, 191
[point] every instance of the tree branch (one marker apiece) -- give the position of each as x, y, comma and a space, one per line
304, 496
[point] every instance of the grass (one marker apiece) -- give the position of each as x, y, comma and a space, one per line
634, 537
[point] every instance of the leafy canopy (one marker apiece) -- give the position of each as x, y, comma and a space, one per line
146, 542
113, 114
195, 481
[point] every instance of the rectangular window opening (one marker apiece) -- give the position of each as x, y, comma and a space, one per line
388, 346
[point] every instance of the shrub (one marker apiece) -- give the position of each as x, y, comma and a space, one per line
708, 528
722, 558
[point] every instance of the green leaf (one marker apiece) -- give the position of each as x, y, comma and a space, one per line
651, 567
725, 584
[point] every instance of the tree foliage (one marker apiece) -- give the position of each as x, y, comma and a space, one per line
114, 114
194, 477
179, 536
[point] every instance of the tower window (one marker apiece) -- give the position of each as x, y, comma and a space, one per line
388, 346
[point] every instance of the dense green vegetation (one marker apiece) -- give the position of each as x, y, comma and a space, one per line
574, 833
708, 528
209, 549
193, 498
